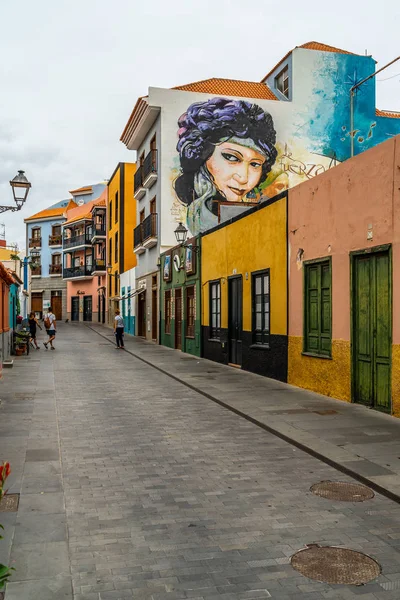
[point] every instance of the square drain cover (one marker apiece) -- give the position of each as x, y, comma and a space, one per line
9, 503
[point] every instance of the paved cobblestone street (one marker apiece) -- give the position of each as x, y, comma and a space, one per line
135, 486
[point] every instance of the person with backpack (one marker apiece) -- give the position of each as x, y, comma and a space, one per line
119, 330
50, 326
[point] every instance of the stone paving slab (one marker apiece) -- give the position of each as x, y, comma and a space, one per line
361, 442
160, 494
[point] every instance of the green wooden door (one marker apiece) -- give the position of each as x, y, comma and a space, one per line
372, 330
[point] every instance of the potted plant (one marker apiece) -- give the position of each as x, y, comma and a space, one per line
5, 572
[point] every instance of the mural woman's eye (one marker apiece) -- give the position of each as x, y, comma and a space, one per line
256, 165
230, 157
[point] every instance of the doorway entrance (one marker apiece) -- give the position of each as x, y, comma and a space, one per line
56, 304
154, 320
235, 323
178, 319
75, 308
87, 308
372, 328
142, 315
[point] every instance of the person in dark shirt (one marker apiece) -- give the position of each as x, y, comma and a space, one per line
33, 322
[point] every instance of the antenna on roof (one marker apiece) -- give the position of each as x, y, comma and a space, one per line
2, 231
366, 52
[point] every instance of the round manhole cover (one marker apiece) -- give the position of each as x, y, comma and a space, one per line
328, 564
340, 490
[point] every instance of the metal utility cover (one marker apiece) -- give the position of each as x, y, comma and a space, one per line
342, 491
9, 503
329, 564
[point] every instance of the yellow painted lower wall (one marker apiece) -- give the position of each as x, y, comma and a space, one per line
396, 380
324, 376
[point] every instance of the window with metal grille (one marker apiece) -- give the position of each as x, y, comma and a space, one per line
215, 310
116, 248
116, 283
282, 82
110, 216
261, 308
317, 307
190, 311
116, 207
167, 311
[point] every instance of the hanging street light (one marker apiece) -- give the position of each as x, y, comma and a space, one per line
20, 187
181, 233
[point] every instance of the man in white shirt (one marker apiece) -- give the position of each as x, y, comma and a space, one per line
119, 330
50, 325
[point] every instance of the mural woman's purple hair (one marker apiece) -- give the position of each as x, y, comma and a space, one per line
206, 124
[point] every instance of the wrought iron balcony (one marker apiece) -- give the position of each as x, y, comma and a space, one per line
81, 271
150, 169
145, 234
77, 240
99, 265
99, 230
55, 269
35, 242
138, 189
36, 270
55, 240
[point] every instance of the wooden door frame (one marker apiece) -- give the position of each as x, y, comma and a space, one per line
178, 289
353, 256
230, 278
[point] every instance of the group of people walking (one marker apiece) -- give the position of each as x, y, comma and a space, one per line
49, 322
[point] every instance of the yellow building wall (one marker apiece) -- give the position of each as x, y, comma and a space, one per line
114, 186
330, 377
130, 259
253, 243
396, 380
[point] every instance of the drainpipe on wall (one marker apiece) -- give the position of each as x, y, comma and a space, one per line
352, 94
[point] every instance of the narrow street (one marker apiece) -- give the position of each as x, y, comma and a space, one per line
134, 486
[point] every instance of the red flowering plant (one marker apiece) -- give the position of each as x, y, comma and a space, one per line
5, 470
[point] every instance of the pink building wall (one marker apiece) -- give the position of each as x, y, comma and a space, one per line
332, 215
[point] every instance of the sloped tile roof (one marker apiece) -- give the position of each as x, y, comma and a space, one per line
309, 46
387, 113
229, 87
5, 275
87, 216
48, 212
82, 190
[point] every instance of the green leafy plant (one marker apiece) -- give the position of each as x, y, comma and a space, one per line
5, 572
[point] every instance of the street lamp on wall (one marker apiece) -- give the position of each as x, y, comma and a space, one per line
181, 235
109, 267
20, 187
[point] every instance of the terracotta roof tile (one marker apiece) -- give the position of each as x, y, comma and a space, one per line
82, 190
48, 212
86, 216
387, 113
309, 46
323, 48
230, 87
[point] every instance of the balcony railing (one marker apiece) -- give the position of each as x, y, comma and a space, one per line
99, 230
82, 271
145, 234
55, 269
99, 264
55, 240
36, 270
35, 242
138, 180
77, 240
150, 168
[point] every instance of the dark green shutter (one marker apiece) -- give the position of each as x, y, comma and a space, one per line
318, 310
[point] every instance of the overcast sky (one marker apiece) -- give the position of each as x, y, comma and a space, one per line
71, 71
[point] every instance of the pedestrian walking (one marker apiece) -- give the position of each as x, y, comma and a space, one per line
50, 325
119, 330
33, 323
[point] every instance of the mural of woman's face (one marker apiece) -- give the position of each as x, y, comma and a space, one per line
235, 169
